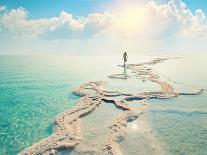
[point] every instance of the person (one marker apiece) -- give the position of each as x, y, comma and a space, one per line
125, 57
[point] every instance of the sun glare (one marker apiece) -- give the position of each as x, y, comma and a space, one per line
131, 19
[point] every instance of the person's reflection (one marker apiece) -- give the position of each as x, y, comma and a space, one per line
125, 72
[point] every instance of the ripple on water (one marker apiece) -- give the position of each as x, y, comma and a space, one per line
182, 129
139, 139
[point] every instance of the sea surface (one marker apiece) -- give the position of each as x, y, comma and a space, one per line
34, 89
181, 123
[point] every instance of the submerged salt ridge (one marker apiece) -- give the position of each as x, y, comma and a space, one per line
67, 134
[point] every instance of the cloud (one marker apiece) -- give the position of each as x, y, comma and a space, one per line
16, 21
173, 18
2, 8
151, 20
145, 27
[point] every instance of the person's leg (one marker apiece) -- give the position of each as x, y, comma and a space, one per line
125, 60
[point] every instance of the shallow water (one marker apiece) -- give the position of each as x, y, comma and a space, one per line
34, 89
181, 132
180, 123
140, 140
131, 85
95, 128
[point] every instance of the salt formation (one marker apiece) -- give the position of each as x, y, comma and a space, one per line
67, 133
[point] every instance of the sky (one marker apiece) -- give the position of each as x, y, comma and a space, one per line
103, 26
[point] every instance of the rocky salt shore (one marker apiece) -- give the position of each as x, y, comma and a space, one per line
67, 125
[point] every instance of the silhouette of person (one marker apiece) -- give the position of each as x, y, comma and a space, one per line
125, 57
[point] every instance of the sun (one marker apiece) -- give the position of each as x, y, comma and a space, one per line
131, 19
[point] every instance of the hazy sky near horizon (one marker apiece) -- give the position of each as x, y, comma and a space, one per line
109, 26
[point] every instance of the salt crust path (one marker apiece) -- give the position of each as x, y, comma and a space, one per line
67, 124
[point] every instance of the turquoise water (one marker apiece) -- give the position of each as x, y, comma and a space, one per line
34, 89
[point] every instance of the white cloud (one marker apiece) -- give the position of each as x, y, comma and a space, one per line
16, 22
2, 8
150, 21
175, 17
145, 27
